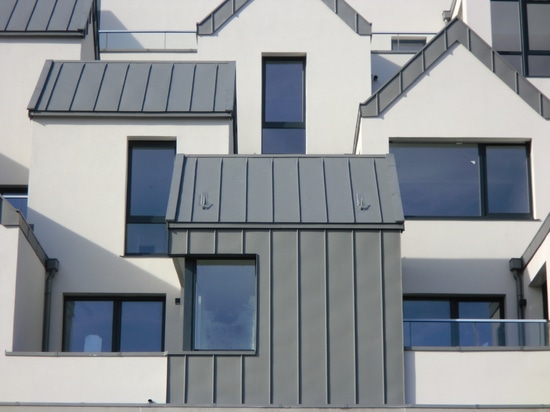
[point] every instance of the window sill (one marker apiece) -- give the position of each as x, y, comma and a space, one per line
213, 353
477, 348
89, 354
475, 218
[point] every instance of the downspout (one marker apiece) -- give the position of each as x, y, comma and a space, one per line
52, 267
516, 267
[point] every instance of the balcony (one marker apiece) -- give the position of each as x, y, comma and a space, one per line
475, 333
124, 41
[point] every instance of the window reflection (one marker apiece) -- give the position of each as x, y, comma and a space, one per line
459, 180
113, 325
225, 305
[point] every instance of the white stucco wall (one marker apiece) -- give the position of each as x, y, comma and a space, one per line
87, 379
77, 202
22, 62
9, 242
480, 378
29, 299
337, 68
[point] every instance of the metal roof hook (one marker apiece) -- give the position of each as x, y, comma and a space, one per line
360, 201
203, 201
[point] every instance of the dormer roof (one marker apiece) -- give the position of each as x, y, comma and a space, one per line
45, 17
142, 89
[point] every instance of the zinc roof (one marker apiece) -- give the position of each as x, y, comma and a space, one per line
263, 191
102, 88
44, 17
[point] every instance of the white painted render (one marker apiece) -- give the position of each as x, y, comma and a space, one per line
22, 62
83, 379
477, 377
78, 206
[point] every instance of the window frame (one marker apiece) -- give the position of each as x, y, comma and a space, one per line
143, 219
189, 302
484, 213
117, 301
525, 51
266, 60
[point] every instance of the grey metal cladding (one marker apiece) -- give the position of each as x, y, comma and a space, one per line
204, 88
158, 90
61, 16
233, 189
456, 32
271, 190
67, 83
90, 82
135, 88
110, 92
286, 197
225, 11
135, 85
45, 17
313, 190
259, 207
41, 16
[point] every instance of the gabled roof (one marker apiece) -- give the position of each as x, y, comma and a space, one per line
44, 17
101, 88
215, 20
284, 191
455, 32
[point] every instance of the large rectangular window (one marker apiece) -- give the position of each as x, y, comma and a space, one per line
150, 166
428, 321
223, 298
463, 180
521, 34
113, 324
283, 106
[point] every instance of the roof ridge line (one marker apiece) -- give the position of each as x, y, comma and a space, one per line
455, 32
228, 8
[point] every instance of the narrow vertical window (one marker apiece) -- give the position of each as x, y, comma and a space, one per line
283, 125
150, 167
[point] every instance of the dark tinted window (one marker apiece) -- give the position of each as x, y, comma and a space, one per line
521, 32
459, 180
113, 325
150, 166
283, 121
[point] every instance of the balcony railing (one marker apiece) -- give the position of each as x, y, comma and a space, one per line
475, 332
147, 41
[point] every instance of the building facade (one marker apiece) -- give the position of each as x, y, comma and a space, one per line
284, 204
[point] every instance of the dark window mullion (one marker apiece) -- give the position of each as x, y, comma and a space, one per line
483, 183
117, 324
524, 36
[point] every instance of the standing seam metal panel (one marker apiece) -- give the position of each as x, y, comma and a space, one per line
321, 339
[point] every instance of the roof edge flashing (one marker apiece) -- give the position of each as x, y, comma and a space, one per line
456, 32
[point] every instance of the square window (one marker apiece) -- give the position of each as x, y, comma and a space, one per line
150, 166
222, 310
463, 180
112, 324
